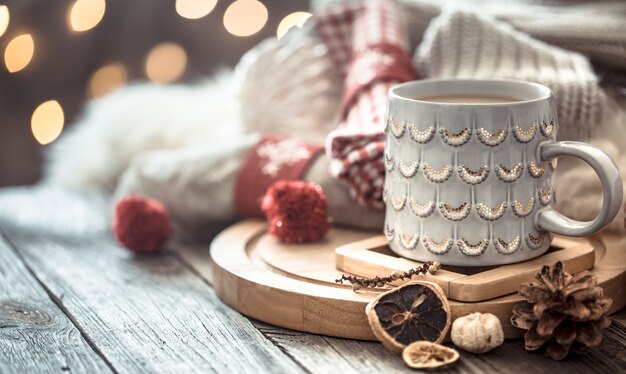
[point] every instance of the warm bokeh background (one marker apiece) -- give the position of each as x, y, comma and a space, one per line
65, 61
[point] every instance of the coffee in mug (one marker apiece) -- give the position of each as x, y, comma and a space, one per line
468, 99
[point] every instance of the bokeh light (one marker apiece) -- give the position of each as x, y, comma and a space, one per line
4, 19
19, 52
295, 19
86, 14
194, 9
47, 121
106, 79
166, 62
245, 17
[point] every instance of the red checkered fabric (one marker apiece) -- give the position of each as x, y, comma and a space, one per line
368, 41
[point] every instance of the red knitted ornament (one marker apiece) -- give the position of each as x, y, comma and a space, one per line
296, 211
141, 224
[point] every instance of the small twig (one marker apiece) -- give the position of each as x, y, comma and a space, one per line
359, 282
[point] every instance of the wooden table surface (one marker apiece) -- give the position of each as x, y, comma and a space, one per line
71, 300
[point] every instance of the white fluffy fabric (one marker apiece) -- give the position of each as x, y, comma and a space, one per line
141, 118
196, 184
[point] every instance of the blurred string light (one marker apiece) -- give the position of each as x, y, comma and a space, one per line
19, 52
166, 62
86, 14
47, 121
4, 19
194, 9
295, 19
106, 79
245, 17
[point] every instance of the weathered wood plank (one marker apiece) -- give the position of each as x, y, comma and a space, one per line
323, 354
144, 314
35, 335
608, 358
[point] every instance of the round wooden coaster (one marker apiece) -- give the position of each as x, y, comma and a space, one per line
304, 296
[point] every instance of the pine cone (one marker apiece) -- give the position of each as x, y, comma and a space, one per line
563, 311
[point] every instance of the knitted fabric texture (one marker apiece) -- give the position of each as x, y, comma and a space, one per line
593, 28
368, 42
461, 44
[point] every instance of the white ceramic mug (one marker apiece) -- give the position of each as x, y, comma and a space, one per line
471, 184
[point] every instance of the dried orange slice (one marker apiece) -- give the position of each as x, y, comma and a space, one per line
413, 312
428, 355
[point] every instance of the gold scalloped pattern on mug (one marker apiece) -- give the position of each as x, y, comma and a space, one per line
509, 175
473, 177
534, 242
437, 248
536, 171
490, 139
525, 136
507, 248
523, 209
455, 214
472, 249
390, 233
545, 195
491, 214
397, 129
408, 171
408, 241
437, 175
397, 202
422, 210
390, 162
547, 128
421, 136
455, 140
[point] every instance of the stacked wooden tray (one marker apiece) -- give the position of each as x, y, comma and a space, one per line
293, 286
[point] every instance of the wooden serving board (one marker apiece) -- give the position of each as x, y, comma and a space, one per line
293, 286
373, 257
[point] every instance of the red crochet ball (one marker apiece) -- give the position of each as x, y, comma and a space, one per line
296, 211
141, 224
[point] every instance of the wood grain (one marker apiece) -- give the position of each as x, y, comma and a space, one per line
321, 354
372, 257
308, 303
144, 314
324, 354
318, 263
248, 286
35, 335
77, 232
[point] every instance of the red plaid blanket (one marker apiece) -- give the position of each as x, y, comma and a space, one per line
368, 41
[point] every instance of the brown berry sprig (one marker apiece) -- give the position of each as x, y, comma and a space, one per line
359, 282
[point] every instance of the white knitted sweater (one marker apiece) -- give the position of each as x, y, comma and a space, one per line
463, 44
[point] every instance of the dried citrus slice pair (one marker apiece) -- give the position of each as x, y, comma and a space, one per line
415, 311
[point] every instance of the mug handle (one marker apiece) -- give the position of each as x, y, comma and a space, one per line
550, 220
